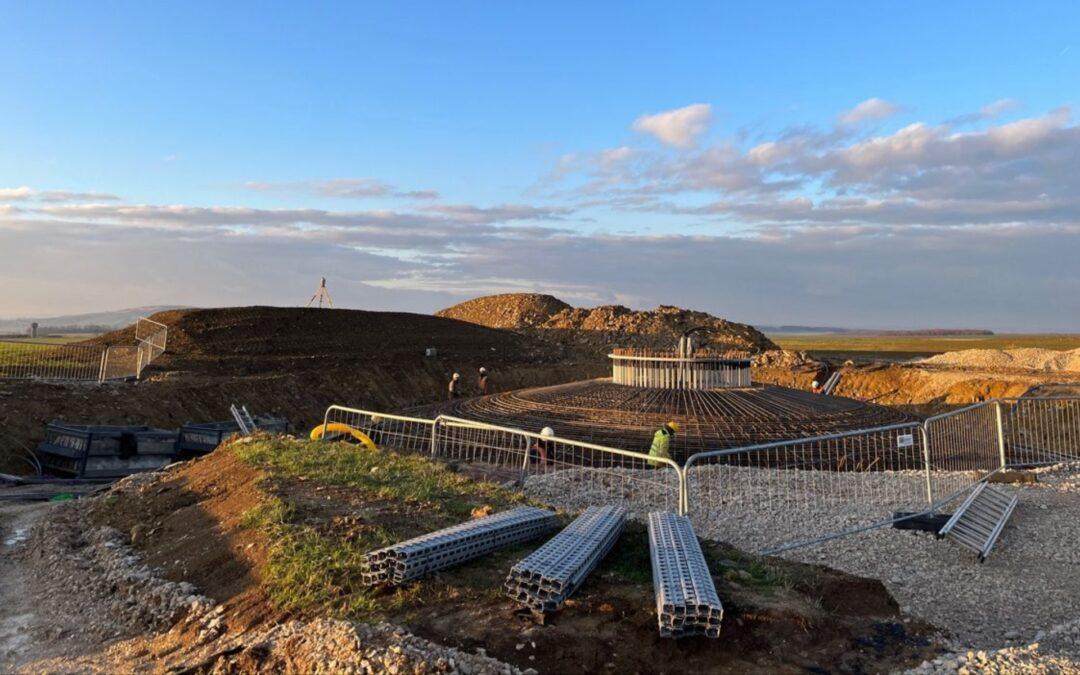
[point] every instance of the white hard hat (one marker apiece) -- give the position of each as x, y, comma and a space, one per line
816, 383
457, 376
547, 432
375, 419
483, 369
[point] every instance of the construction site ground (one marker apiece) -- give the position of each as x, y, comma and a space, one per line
271, 532
223, 525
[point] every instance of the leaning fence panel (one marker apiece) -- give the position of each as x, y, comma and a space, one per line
1041, 431
384, 430
562, 472
789, 493
965, 447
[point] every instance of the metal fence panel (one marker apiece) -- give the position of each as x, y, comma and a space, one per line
797, 492
965, 447
1041, 431
766, 497
560, 471
399, 432
83, 362
46, 361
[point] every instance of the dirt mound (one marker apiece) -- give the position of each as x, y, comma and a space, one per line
605, 326
507, 310
1047, 360
244, 340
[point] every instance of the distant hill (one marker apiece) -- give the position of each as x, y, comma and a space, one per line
109, 320
549, 318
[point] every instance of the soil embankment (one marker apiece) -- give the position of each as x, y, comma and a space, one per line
288, 362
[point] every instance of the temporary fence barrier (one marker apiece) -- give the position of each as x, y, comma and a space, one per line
803, 490
400, 432
80, 362
964, 447
562, 471
46, 361
773, 496
1040, 431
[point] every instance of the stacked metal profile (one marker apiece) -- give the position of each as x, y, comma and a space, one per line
454, 545
686, 599
548, 576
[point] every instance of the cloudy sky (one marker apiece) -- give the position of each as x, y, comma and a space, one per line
833, 164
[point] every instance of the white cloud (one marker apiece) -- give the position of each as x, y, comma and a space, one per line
340, 188
26, 193
16, 194
869, 110
680, 127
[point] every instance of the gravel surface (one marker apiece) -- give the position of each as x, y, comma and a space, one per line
329, 646
79, 589
1030, 583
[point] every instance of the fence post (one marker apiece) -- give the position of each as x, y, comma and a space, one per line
684, 497
104, 362
325, 423
926, 464
434, 432
1000, 433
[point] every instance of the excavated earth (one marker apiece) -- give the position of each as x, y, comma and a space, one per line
166, 576
602, 328
288, 362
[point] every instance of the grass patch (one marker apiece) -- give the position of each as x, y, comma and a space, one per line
382, 474
314, 566
903, 347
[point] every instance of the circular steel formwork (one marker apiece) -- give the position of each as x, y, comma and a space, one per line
626, 417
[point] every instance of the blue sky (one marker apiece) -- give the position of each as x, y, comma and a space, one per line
456, 149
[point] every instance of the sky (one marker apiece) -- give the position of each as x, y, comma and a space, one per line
875, 165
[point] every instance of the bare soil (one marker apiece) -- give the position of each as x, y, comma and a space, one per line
189, 524
288, 362
917, 385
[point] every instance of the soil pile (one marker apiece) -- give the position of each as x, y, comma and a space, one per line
1048, 360
603, 327
513, 311
246, 340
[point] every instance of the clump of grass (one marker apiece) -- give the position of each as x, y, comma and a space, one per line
378, 473
312, 568
747, 570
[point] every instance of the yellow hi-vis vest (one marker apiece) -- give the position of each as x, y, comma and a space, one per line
661, 445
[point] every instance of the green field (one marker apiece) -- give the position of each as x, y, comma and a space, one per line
862, 348
65, 339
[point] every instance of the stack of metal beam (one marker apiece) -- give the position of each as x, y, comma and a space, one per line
686, 599
454, 545
547, 577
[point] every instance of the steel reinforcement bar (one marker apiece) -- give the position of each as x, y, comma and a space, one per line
686, 599
455, 545
547, 577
